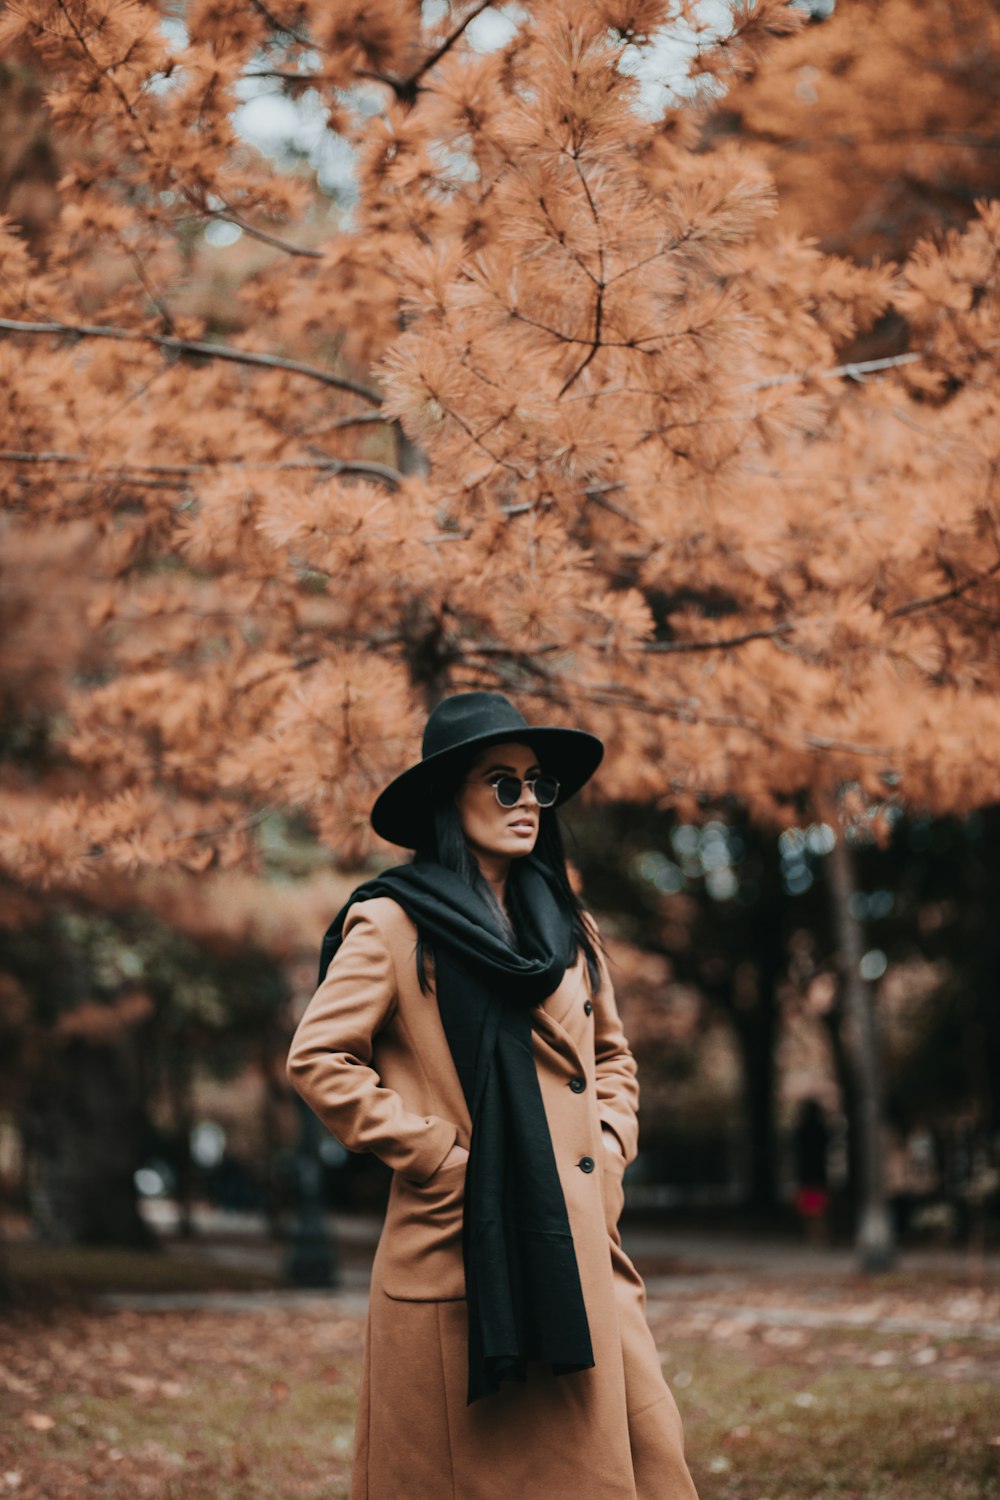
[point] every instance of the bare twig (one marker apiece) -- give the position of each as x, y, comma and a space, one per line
855, 370
599, 285
210, 833
599, 497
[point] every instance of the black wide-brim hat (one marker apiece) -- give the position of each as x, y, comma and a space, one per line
458, 727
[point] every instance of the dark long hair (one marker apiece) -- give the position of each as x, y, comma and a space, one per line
447, 845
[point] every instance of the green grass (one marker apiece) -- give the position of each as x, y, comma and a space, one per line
260, 1406
178, 1406
793, 1432
260, 1438
120, 1404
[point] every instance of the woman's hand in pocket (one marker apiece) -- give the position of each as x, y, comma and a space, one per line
455, 1155
419, 1257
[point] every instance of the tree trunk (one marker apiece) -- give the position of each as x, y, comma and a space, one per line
873, 1233
757, 1029
85, 1127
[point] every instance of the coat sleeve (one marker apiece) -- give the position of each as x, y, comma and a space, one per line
617, 1074
330, 1059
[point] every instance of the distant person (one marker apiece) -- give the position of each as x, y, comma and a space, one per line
465, 1031
812, 1197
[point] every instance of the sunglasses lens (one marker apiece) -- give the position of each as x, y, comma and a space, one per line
508, 791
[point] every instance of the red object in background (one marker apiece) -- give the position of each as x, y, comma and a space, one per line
811, 1200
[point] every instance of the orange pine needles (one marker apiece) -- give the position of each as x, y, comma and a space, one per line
555, 409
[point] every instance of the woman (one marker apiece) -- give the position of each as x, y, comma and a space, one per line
465, 1031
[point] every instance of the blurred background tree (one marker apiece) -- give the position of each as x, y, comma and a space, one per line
878, 125
554, 400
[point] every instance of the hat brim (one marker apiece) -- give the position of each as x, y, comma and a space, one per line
402, 811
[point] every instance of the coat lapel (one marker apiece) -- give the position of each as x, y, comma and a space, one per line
554, 1019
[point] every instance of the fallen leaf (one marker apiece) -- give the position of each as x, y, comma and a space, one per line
39, 1421
736, 1434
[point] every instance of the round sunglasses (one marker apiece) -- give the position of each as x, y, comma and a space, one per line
508, 789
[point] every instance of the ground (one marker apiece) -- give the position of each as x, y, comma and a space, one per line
797, 1377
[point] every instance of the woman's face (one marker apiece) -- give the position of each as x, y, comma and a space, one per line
490, 829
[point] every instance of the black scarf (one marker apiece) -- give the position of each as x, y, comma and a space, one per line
524, 1297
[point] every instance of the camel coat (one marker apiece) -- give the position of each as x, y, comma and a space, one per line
371, 1058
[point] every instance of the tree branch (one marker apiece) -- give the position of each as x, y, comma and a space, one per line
837, 140
281, 26
660, 648
137, 474
687, 713
405, 89
445, 47
226, 214
199, 347
946, 595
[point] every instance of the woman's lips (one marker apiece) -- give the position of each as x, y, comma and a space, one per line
524, 826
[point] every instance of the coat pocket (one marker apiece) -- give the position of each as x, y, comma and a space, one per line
419, 1257
613, 1190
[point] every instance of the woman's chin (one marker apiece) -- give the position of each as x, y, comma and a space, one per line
518, 845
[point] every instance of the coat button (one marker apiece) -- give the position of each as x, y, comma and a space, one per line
578, 1085
586, 1163
588, 1008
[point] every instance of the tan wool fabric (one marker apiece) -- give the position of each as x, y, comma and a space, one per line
371, 1058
